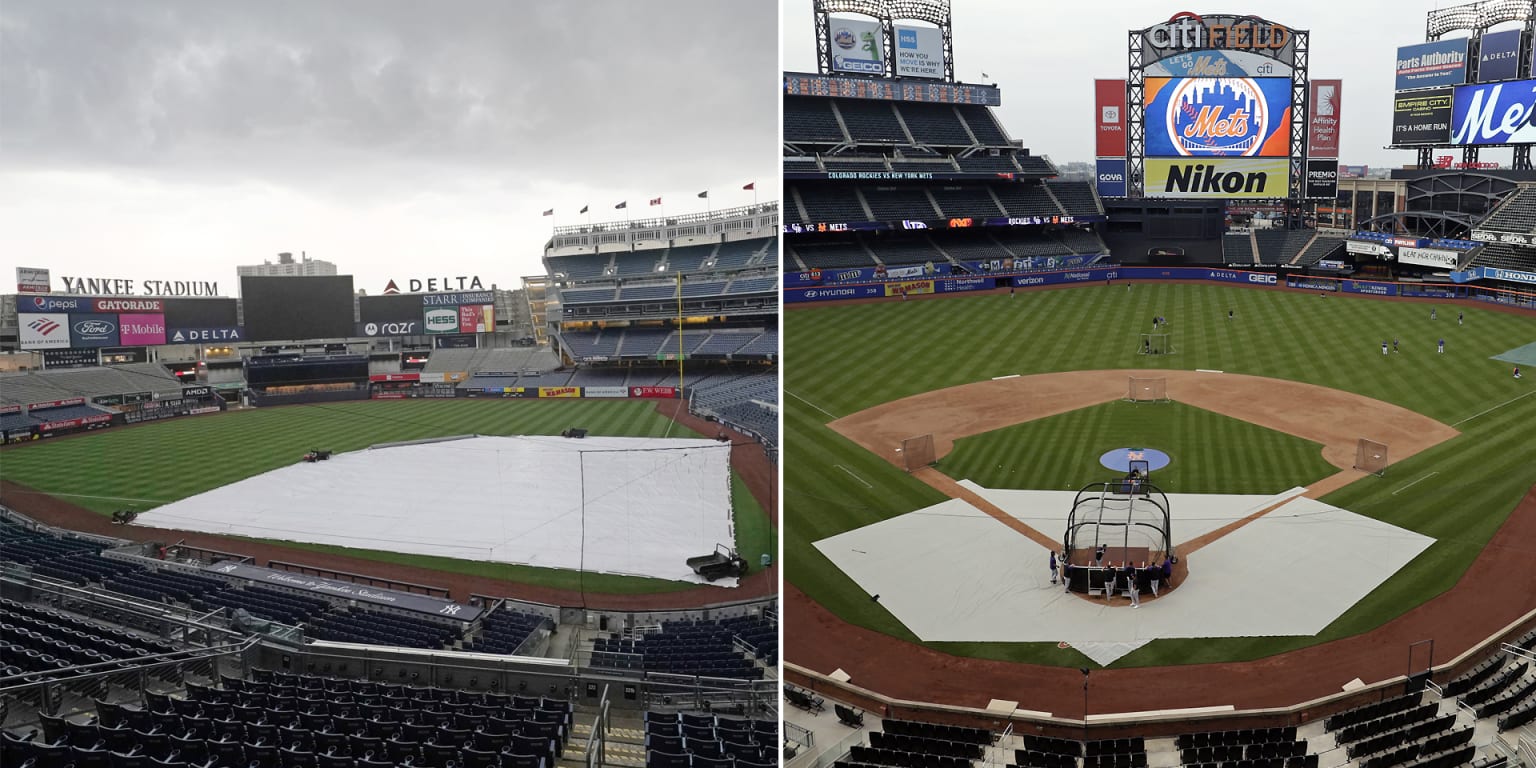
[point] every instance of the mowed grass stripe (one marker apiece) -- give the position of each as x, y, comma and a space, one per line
847, 358
170, 460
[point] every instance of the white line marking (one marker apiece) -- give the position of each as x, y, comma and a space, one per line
1495, 408
852, 475
1009, 376
88, 496
811, 404
1404, 488
1207, 370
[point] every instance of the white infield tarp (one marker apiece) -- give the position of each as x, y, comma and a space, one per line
632, 506
952, 573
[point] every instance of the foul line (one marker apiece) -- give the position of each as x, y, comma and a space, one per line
811, 404
88, 496
1495, 408
851, 474
1404, 488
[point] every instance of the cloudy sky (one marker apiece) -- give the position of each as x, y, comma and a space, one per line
176, 139
1045, 57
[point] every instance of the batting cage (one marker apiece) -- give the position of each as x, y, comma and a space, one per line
1371, 456
917, 452
1155, 344
1123, 521
1147, 390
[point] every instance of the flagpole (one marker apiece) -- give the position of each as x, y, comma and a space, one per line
680, 333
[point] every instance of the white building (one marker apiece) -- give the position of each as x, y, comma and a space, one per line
287, 267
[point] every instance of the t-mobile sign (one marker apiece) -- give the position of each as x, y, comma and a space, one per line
148, 330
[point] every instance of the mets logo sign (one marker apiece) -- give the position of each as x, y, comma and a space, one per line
1217, 117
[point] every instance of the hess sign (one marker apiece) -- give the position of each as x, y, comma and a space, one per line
1187, 31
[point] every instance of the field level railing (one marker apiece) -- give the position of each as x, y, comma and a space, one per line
360, 578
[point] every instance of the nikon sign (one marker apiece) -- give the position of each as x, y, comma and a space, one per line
1219, 178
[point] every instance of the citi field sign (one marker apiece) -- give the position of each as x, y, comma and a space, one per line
1187, 31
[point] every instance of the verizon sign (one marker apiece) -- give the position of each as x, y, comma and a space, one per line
1428, 257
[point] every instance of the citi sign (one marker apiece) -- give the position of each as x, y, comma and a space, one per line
1189, 31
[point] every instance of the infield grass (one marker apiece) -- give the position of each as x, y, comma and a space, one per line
841, 359
156, 463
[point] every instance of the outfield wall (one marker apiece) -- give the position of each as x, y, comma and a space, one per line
889, 289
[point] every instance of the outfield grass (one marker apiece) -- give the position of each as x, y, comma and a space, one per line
152, 464
1062, 451
845, 358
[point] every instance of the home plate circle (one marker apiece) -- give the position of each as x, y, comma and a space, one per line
1119, 459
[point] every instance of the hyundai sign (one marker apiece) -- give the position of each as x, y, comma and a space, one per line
1499, 113
1111, 177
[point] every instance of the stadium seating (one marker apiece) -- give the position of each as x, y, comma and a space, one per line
702, 740
983, 125
277, 719
583, 266
988, 164
1238, 249
871, 122
702, 648
1506, 256
1077, 198
935, 124
1321, 247
832, 254
1516, 214
21, 388
505, 630
966, 201
358, 625
1027, 200
811, 120
897, 250
263, 603
38, 639
829, 202
896, 203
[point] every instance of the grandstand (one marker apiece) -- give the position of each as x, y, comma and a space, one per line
649, 303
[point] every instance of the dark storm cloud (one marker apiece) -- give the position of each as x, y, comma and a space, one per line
322, 92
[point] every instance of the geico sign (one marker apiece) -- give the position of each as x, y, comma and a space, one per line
1189, 31
1266, 279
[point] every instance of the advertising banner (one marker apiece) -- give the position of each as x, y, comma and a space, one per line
142, 306
1218, 64
1217, 178
455, 299
605, 391
1354, 171
192, 392
559, 391
857, 46
56, 403
1498, 58
1323, 121
1425, 65
142, 329
792, 295
394, 377
1322, 179
477, 318
7, 410
1218, 117
93, 331
203, 335
1424, 291
33, 280
403, 328
44, 331
453, 342
441, 320
1111, 176
655, 393
1422, 117
53, 304
1500, 113
1312, 285
908, 288
919, 51
1224, 32
1369, 288
516, 391
387, 396
964, 284
1428, 257
1366, 249
70, 358
1109, 117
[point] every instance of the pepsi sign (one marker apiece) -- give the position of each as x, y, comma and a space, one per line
53, 304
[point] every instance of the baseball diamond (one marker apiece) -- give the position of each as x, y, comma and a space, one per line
1286, 366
